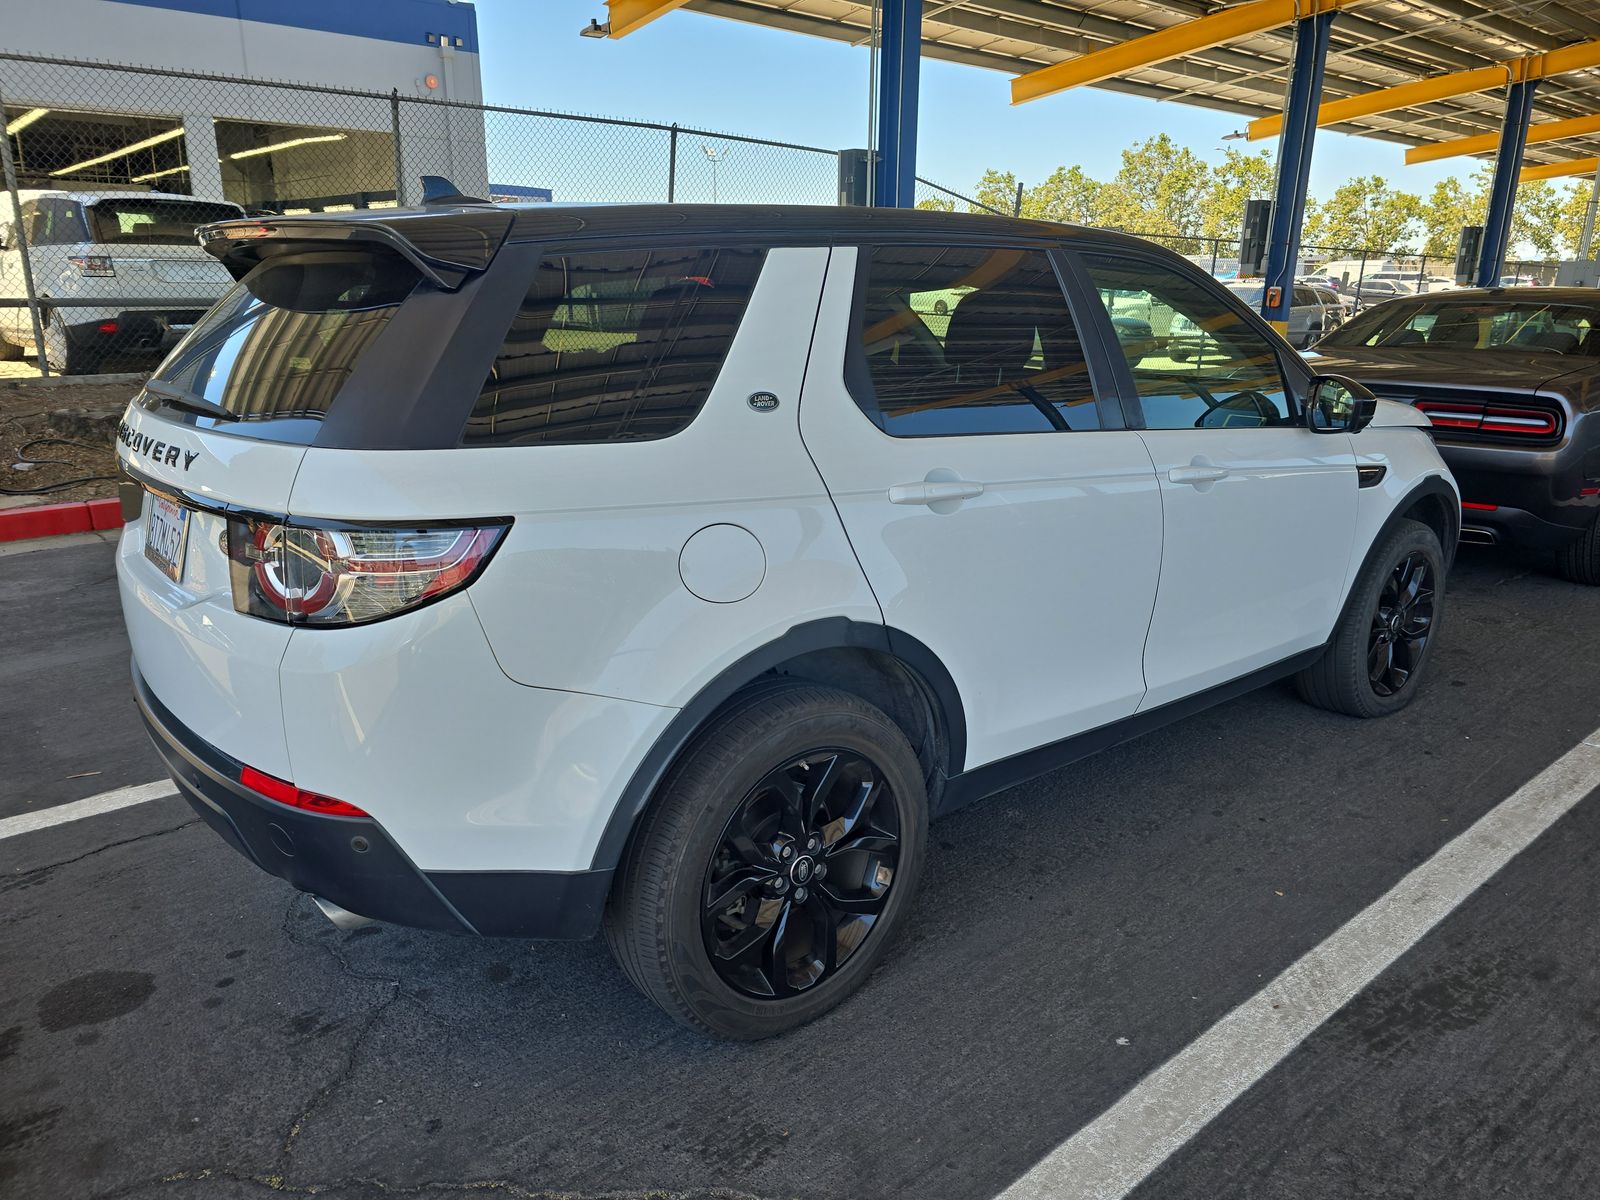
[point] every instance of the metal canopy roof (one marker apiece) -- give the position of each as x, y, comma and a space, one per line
1378, 45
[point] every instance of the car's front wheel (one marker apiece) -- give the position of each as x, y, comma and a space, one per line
1374, 662
773, 868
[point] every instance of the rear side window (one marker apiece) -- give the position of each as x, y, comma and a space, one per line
276, 349
53, 221
140, 222
972, 340
614, 346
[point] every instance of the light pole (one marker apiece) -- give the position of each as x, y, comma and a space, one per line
716, 158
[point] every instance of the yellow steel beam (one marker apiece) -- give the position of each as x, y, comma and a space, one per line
1442, 87
1576, 166
1545, 131
1162, 45
624, 16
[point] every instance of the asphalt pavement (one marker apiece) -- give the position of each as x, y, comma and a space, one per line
174, 1023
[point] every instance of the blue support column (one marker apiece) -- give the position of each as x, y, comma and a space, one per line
1503, 191
900, 62
1294, 165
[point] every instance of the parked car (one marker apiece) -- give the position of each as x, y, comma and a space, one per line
1345, 271
1367, 292
111, 246
1508, 281
528, 571
1322, 280
1137, 339
1511, 383
1313, 311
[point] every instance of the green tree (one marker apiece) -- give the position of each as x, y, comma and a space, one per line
1069, 194
996, 190
1364, 212
1157, 189
1239, 177
1448, 207
937, 204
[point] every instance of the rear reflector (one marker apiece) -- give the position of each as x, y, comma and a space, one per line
107, 327
1474, 507
284, 792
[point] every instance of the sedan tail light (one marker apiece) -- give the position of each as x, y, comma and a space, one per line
348, 575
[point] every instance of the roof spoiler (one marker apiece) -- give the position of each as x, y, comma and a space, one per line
446, 248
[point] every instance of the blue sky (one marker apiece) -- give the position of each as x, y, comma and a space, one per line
741, 78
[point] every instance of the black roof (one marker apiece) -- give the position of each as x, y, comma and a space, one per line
449, 241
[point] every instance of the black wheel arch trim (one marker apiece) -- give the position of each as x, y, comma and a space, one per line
829, 633
1433, 485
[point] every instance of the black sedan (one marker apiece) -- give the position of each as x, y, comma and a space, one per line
1511, 382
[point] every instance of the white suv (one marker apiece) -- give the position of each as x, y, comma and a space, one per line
91, 253
523, 571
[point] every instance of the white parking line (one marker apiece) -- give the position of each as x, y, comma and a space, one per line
105, 802
1113, 1154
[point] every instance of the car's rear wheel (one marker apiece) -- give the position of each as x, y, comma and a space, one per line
1579, 560
775, 865
1374, 662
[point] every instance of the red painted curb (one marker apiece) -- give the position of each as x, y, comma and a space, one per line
49, 520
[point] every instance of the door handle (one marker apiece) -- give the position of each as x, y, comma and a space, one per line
925, 492
1197, 474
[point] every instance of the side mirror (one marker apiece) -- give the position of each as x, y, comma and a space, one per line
1339, 405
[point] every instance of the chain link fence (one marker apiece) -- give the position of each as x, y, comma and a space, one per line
108, 169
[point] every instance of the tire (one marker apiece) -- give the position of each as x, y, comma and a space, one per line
1371, 631
687, 843
66, 353
1579, 560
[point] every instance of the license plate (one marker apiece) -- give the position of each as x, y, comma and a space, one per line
166, 533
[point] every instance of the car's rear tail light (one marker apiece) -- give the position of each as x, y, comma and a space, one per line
350, 575
93, 265
283, 792
108, 327
1530, 421
1502, 419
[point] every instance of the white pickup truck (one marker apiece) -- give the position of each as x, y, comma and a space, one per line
116, 246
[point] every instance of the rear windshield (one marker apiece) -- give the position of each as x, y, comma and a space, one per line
1470, 325
276, 349
154, 222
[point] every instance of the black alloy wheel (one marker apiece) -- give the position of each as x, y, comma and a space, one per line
1376, 658
1402, 623
801, 874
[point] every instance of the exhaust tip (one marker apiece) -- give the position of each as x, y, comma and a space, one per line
342, 918
1478, 537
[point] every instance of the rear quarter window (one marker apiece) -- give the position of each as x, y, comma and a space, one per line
614, 346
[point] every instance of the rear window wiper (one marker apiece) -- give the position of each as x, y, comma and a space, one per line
180, 398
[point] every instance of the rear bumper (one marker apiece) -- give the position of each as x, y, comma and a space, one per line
1537, 494
1516, 526
354, 863
150, 328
